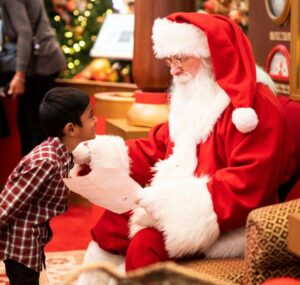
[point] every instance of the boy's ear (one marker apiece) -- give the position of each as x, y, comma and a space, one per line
70, 129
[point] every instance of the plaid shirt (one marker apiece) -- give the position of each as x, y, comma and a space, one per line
33, 194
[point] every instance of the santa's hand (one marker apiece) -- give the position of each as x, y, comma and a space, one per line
82, 154
139, 220
147, 200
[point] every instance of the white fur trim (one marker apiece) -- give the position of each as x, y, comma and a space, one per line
109, 152
171, 38
184, 213
220, 104
230, 244
81, 154
140, 220
95, 254
244, 119
263, 77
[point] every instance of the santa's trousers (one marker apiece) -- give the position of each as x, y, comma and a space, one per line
145, 248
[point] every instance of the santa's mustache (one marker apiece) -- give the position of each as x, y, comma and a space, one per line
182, 78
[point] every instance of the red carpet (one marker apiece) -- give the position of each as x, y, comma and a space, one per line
10, 150
71, 231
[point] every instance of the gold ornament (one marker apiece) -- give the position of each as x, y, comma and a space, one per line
99, 65
99, 20
113, 76
78, 30
101, 70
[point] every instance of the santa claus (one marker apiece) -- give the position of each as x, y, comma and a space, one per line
224, 151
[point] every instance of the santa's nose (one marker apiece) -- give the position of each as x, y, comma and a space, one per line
175, 71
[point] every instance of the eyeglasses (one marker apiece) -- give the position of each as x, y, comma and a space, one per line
176, 61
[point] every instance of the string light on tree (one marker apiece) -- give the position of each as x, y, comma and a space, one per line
77, 24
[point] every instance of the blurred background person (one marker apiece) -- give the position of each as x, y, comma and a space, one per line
39, 60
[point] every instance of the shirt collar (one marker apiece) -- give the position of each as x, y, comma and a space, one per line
60, 148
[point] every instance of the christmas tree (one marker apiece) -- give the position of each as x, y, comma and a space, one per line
77, 23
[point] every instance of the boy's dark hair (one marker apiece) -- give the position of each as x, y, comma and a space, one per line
60, 106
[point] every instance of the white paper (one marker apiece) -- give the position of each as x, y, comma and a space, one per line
110, 188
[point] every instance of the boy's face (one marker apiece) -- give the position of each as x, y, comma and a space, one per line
88, 125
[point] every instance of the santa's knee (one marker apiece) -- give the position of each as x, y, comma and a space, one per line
146, 247
111, 232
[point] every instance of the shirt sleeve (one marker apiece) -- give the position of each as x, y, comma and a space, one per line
21, 187
21, 24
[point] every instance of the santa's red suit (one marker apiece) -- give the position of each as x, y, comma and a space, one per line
202, 179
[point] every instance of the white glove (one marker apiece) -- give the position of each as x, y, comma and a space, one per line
183, 210
139, 220
82, 154
147, 200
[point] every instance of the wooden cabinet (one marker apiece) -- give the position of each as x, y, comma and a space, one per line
267, 34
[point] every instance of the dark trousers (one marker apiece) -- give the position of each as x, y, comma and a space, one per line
19, 274
4, 125
31, 134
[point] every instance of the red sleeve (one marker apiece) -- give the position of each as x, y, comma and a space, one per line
144, 153
257, 164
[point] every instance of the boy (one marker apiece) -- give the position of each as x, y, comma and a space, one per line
35, 192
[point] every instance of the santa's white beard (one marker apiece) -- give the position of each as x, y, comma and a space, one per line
183, 78
190, 101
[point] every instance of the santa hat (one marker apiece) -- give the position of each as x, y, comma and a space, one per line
202, 35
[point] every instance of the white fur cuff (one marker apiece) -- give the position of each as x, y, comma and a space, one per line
96, 254
184, 212
108, 152
230, 244
81, 154
140, 220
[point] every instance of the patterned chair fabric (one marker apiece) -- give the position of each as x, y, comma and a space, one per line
230, 270
267, 254
165, 273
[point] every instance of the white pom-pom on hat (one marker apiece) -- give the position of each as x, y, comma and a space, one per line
244, 119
